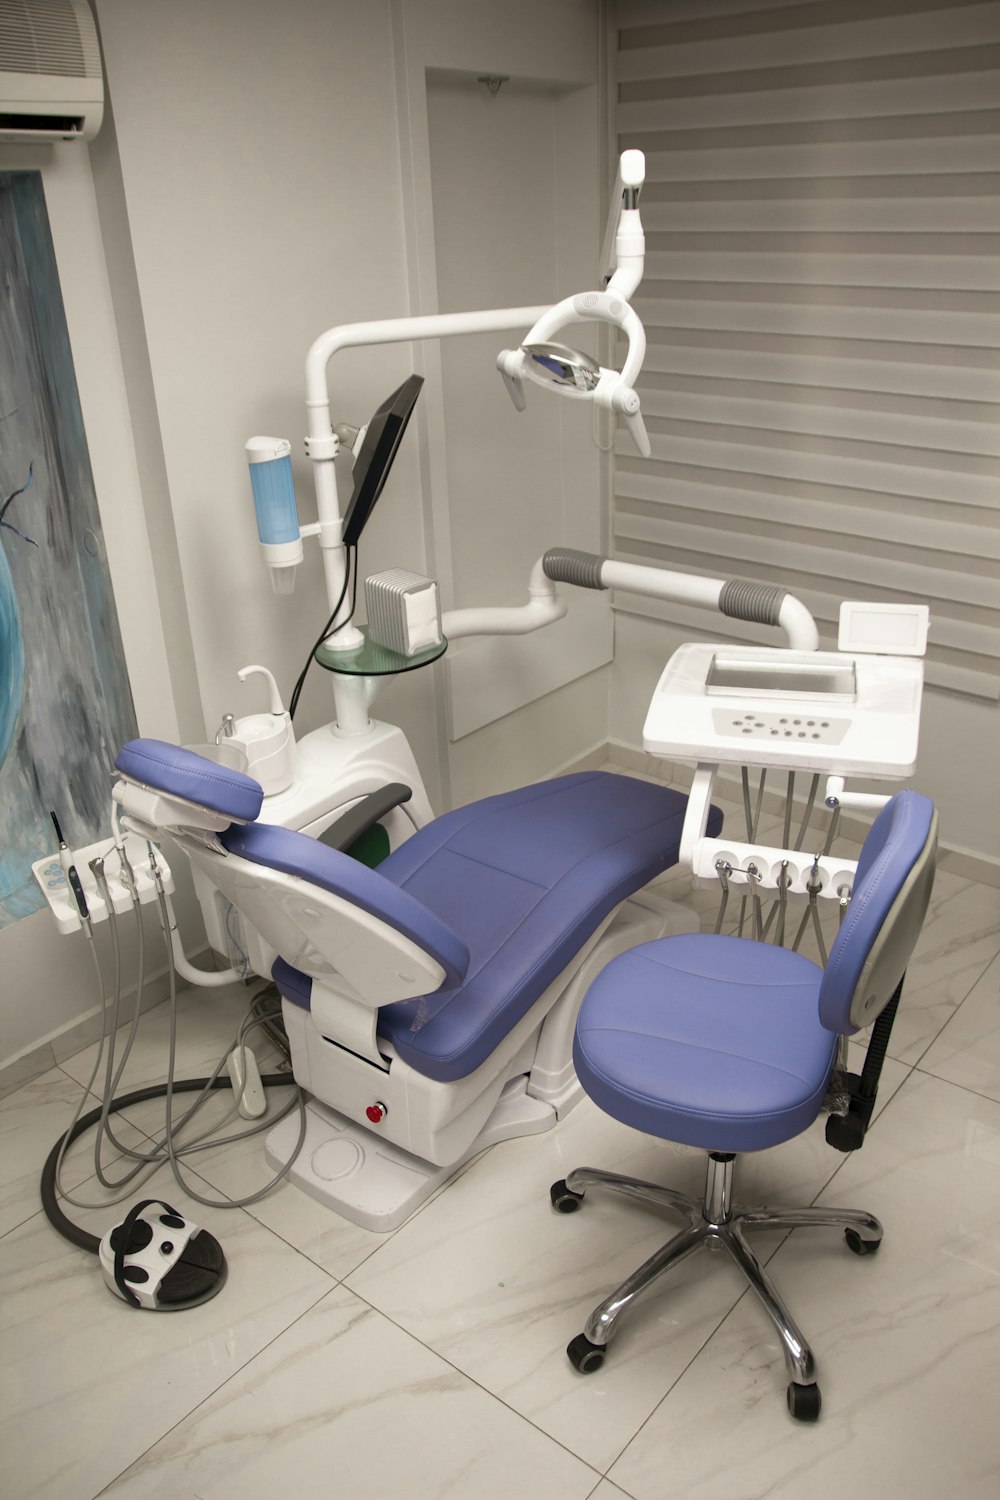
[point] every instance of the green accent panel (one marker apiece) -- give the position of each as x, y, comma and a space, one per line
371, 848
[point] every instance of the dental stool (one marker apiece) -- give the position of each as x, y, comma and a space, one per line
430, 1003
729, 1045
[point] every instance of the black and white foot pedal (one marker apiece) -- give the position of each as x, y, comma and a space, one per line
158, 1260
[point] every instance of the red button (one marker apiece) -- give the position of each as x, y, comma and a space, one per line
376, 1113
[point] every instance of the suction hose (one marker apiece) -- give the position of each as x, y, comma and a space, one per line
50, 1198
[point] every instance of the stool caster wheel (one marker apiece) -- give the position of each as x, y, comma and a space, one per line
564, 1198
585, 1356
860, 1246
804, 1402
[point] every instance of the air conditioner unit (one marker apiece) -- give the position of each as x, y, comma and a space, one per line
51, 85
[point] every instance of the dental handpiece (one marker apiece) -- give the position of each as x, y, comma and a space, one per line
101, 881
69, 870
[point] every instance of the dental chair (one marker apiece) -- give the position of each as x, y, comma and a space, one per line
729, 1045
429, 1003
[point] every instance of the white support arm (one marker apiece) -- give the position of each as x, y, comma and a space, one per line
691, 588
798, 624
836, 796
624, 247
543, 608
756, 866
393, 331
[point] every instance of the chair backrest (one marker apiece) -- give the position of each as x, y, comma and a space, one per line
889, 900
329, 915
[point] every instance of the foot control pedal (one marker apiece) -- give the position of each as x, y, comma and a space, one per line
158, 1260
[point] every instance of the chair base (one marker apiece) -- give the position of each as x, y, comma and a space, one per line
369, 1180
715, 1222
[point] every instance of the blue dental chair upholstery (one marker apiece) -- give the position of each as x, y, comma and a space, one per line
729, 1045
519, 881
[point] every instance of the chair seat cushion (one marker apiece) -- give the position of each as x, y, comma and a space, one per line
710, 1041
525, 878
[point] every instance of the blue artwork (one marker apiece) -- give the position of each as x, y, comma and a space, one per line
65, 702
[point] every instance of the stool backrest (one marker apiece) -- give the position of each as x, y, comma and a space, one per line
891, 892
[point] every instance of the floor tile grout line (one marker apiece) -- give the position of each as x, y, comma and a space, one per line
464, 1374
39, 1209
952, 1084
326, 1292
958, 1008
379, 1313
681, 1374
605, 1480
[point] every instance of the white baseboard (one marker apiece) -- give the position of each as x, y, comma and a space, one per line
82, 1032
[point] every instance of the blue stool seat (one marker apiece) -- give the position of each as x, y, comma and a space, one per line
710, 1041
525, 877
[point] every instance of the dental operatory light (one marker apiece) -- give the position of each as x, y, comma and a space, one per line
551, 363
564, 366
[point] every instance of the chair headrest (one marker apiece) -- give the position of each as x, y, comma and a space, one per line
176, 772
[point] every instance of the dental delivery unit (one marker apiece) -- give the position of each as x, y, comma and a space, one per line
431, 969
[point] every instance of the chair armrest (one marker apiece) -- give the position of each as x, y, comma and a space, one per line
365, 814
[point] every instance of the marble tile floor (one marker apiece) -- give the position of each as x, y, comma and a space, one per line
430, 1362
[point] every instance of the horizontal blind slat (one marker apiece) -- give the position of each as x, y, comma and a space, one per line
850, 374
940, 433
673, 22
941, 79
852, 216
717, 450
814, 319
851, 158
791, 265
976, 25
848, 188
898, 509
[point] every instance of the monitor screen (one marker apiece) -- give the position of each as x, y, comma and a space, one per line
372, 465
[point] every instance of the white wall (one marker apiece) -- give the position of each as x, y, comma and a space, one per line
277, 171
515, 197
260, 166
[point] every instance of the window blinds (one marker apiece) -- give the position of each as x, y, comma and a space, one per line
822, 307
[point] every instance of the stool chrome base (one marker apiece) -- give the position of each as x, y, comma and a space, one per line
713, 1221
